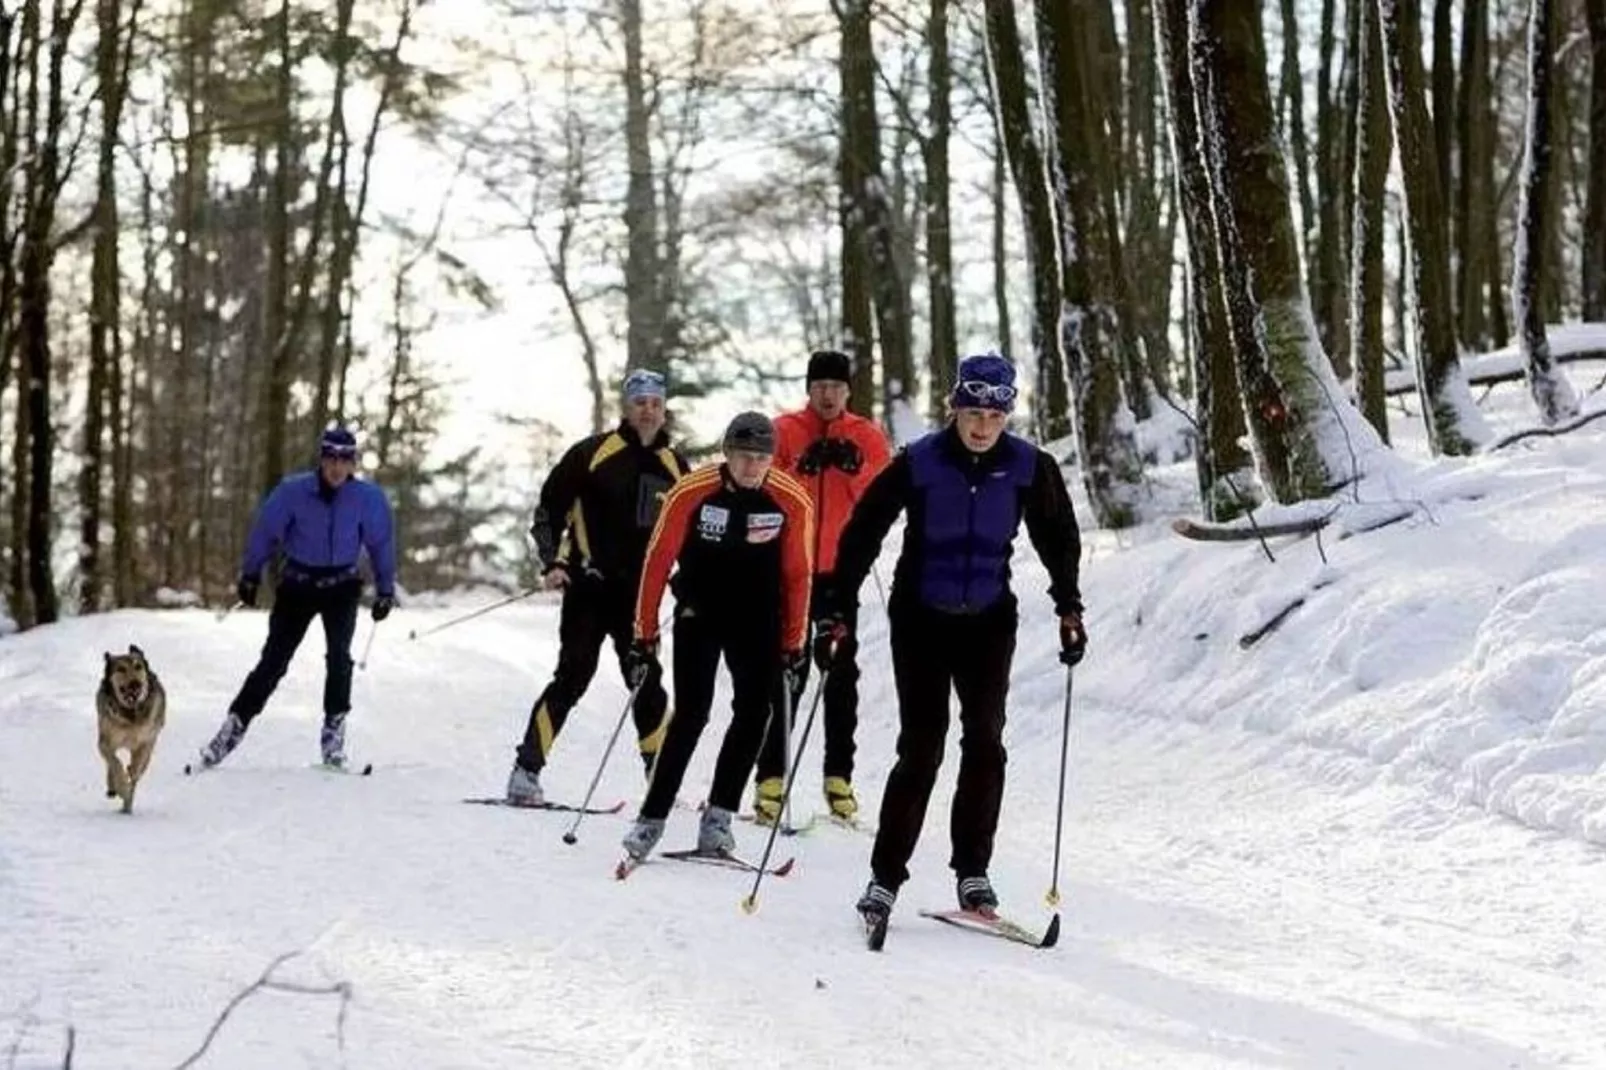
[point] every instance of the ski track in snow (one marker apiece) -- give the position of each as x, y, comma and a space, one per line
1370, 841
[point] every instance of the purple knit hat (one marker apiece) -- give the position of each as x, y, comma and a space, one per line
986, 381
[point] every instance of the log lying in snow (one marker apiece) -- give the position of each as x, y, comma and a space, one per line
1358, 520
1569, 342
1545, 432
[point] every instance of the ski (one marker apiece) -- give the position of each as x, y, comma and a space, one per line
366, 769
628, 865
567, 808
786, 830
994, 925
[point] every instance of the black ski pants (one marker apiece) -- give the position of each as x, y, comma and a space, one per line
593, 611
294, 607
840, 706
751, 654
931, 652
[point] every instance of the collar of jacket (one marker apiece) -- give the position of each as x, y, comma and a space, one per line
628, 433
968, 458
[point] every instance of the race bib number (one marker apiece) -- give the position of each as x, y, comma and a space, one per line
712, 522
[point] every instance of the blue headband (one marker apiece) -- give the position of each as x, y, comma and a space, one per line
644, 383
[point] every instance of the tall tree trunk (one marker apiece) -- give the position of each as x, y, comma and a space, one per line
1220, 458
941, 366
1111, 466
20, 597
1474, 196
858, 330
1307, 439
1553, 395
1372, 153
10, 106
1335, 120
1051, 415
1454, 425
999, 240
1443, 95
870, 201
645, 318
111, 73
1594, 236
276, 396
1293, 94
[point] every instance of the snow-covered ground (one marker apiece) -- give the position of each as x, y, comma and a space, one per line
1371, 839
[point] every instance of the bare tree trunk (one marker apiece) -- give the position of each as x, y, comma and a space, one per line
1474, 196
1594, 236
999, 243
10, 107
645, 329
1307, 439
1443, 94
276, 396
1051, 415
1293, 109
1372, 153
1220, 458
1553, 395
858, 331
1453, 424
1335, 120
939, 241
20, 598
1111, 466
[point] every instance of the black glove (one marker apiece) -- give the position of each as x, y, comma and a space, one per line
246, 591
846, 455
382, 607
815, 457
640, 661
795, 664
830, 631
1073, 640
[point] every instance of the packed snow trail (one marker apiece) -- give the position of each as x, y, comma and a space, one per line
1222, 906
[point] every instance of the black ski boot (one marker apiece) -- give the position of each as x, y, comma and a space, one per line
976, 896
875, 909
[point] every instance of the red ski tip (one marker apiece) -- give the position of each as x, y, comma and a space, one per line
785, 867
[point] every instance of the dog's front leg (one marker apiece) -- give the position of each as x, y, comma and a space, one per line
116, 775
139, 758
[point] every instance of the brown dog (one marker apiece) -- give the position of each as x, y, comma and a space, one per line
132, 710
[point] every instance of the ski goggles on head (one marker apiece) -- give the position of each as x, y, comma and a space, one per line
645, 383
977, 390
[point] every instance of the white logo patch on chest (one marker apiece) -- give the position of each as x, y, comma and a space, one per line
712, 522
764, 527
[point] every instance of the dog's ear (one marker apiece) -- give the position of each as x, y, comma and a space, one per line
109, 657
136, 651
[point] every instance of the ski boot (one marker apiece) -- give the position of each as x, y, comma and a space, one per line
840, 798
976, 896
643, 837
524, 787
875, 909
228, 737
767, 800
332, 740
714, 836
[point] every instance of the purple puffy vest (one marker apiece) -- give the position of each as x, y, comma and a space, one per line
970, 510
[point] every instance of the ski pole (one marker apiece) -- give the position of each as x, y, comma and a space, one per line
454, 622
571, 837
362, 662
1053, 897
750, 903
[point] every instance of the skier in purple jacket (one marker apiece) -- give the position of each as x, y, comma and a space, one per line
320, 521
953, 616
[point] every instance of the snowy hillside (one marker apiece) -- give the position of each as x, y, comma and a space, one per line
1370, 838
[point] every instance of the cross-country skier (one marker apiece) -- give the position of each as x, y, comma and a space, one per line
596, 512
320, 521
835, 454
953, 615
741, 535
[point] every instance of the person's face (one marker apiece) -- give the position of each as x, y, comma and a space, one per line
336, 470
828, 398
980, 429
747, 468
645, 415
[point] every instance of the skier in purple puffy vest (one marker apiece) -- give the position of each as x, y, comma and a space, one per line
953, 616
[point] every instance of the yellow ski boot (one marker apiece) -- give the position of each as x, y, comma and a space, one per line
767, 800
843, 803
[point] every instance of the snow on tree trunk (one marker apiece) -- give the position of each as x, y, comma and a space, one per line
1547, 384
1106, 438
1372, 154
1307, 438
1226, 475
1454, 424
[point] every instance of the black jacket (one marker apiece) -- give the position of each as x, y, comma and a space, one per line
1042, 501
599, 504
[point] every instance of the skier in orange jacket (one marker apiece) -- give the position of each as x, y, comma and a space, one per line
835, 454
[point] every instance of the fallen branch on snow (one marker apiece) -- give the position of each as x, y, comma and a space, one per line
1547, 432
267, 982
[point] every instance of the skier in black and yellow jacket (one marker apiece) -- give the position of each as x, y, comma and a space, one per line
596, 513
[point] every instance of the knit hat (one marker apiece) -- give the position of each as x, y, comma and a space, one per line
338, 442
830, 365
644, 383
750, 431
986, 381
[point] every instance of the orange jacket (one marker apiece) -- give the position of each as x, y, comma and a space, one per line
743, 555
812, 451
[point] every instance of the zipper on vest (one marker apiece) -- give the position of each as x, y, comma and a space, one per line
970, 547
